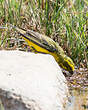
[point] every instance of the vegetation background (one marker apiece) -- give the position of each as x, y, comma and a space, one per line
65, 21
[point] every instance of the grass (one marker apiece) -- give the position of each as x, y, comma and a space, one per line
65, 21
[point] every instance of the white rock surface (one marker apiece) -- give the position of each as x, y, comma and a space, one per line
31, 81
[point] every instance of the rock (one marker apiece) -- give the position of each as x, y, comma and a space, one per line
31, 81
